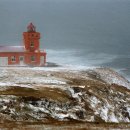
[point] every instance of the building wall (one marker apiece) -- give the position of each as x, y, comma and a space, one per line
29, 37
9, 54
27, 58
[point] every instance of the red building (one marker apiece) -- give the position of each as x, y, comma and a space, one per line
27, 55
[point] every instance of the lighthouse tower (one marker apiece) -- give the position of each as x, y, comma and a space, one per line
34, 56
31, 38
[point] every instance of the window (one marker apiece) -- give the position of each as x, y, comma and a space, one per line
13, 58
32, 58
21, 58
32, 44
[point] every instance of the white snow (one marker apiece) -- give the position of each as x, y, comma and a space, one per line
4, 107
128, 109
55, 114
94, 101
81, 86
112, 118
75, 95
61, 115
104, 112
17, 77
62, 68
6, 85
38, 80
110, 76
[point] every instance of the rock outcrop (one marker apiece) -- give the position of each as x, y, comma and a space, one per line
36, 95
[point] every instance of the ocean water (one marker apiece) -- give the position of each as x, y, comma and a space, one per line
73, 32
80, 58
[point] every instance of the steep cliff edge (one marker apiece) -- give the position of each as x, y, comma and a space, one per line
47, 95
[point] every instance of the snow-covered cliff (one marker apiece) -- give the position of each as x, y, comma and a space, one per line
92, 95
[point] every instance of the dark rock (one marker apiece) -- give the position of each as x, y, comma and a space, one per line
76, 89
80, 114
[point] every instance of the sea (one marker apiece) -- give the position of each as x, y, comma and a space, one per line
79, 33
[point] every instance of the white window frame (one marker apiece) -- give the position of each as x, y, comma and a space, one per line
32, 44
21, 58
33, 58
13, 58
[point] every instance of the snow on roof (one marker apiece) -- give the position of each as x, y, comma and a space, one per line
12, 49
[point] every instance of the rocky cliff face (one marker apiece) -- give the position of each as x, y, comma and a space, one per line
46, 95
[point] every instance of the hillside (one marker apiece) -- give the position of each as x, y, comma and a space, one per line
59, 94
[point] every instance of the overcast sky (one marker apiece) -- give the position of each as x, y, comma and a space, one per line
68, 23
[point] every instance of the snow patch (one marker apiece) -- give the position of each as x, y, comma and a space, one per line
75, 95
112, 77
94, 102
104, 112
112, 118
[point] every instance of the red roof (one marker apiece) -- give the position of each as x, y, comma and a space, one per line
12, 49
31, 28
